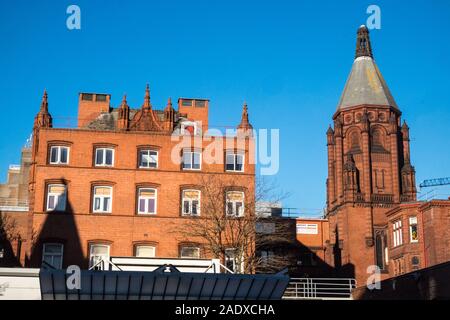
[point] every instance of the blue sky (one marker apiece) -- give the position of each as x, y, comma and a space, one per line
288, 59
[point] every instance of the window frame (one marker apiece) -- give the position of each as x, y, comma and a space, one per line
266, 255
190, 214
103, 164
58, 195
148, 150
237, 268
146, 198
99, 244
185, 124
102, 197
235, 156
58, 155
227, 201
53, 255
190, 246
397, 236
136, 246
192, 152
413, 222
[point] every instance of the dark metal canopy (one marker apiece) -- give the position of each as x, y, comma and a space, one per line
160, 285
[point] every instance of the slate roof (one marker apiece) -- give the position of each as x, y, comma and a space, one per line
365, 85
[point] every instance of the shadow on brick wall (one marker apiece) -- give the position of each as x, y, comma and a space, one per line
431, 283
61, 228
303, 261
10, 242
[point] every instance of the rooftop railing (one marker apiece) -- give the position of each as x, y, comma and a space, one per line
320, 288
11, 204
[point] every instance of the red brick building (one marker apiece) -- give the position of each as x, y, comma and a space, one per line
419, 235
373, 214
122, 183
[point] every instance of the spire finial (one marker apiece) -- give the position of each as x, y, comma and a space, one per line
330, 130
124, 103
245, 123
363, 47
147, 103
43, 118
405, 125
44, 103
169, 105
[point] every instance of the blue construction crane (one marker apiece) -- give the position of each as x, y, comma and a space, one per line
435, 182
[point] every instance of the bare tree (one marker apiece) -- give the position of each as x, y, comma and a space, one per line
8, 235
8, 228
234, 231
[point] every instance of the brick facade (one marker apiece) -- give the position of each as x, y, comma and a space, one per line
369, 170
126, 131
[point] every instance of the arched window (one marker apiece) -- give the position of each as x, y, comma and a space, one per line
377, 138
354, 141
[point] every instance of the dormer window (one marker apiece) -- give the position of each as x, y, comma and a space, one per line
189, 127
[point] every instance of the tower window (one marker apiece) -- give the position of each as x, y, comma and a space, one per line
413, 234
397, 233
380, 250
363, 43
354, 141
377, 138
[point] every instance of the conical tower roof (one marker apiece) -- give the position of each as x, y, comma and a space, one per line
365, 84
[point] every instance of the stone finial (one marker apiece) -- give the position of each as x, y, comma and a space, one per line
363, 47
245, 123
147, 104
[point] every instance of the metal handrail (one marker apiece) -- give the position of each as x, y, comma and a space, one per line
320, 288
108, 261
